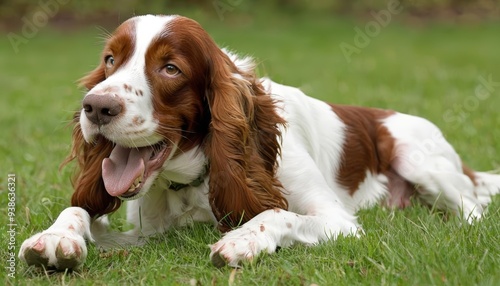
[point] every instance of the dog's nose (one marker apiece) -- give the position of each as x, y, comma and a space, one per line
100, 109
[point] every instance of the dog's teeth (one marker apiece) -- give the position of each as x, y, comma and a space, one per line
137, 182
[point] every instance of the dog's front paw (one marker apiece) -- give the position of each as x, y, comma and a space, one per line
240, 245
54, 249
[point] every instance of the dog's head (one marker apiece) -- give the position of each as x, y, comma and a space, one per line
164, 87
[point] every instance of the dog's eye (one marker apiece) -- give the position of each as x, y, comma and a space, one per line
171, 70
109, 61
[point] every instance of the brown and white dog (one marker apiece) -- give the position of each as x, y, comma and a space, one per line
184, 131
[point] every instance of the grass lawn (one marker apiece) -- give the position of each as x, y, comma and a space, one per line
431, 71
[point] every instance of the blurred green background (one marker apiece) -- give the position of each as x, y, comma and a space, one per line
415, 10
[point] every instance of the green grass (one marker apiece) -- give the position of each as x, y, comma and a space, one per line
426, 71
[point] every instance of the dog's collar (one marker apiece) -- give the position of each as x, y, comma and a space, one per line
198, 181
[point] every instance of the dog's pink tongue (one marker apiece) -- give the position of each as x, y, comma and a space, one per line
122, 167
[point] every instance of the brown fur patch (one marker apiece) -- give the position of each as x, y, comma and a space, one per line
469, 173
138, 120
120, 45
368, 145
127, 87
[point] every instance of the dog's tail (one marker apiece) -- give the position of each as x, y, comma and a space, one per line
487, 185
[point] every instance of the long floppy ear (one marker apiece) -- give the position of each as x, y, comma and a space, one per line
89, 191
243, 145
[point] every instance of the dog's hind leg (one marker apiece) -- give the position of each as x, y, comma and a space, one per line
424, 158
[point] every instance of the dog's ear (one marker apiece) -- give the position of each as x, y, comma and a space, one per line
93, 78
242, 145
89, 191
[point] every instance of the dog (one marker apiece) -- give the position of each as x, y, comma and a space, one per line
185, 131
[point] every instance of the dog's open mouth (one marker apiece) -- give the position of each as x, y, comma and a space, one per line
126, 169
